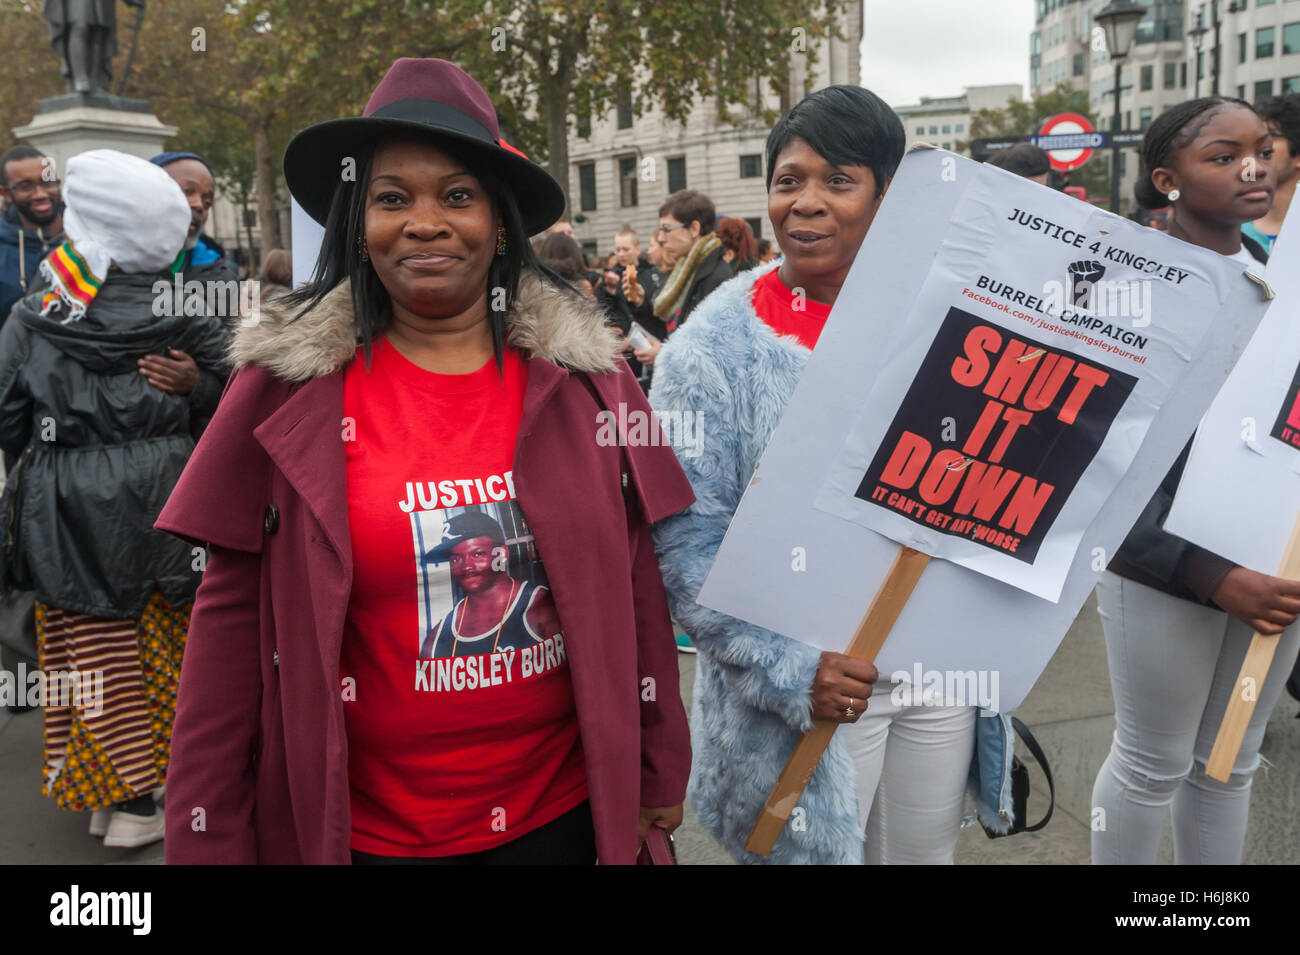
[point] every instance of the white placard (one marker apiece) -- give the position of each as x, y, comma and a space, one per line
1240, 491
1041, 346
958, 620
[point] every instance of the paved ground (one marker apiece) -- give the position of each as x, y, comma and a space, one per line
1069, 710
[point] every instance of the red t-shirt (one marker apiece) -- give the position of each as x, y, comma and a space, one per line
775, 305
462, 732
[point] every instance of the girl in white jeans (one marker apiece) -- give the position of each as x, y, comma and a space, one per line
1178, 618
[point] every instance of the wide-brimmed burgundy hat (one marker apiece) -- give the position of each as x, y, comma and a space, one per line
423, 96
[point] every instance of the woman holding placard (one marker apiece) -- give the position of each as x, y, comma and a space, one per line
896, 767
1178, 618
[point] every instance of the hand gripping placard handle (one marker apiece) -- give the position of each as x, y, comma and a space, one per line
890, 599
1254, 669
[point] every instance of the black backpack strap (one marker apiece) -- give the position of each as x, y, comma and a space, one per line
1255, 248
1037, 752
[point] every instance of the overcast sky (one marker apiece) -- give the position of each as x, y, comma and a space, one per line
915, 48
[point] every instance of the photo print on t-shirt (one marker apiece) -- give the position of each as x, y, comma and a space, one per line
482, 587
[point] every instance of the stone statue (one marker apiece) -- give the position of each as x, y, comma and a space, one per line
85, 34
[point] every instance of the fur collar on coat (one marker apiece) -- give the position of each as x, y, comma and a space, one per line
545, 322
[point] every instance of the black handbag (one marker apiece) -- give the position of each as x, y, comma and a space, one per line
1020, 786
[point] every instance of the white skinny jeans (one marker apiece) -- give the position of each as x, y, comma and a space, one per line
1173, 666
911, 763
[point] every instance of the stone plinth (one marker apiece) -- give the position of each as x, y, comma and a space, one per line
67, 125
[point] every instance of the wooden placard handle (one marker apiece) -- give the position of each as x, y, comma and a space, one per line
894, 592
1254, 670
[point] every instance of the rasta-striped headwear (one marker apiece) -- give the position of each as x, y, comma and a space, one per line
121, 210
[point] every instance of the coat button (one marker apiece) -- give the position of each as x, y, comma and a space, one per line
272, 519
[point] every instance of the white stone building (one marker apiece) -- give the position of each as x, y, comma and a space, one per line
623, 169
945, 121
1259, 48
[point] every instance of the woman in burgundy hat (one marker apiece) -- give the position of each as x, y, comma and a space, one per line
431, 381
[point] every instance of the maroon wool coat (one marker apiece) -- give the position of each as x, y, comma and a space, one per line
258, 768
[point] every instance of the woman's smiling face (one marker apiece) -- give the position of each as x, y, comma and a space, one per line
430, 228
820, 212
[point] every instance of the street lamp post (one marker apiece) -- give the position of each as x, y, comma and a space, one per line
1197, 33
1119, 20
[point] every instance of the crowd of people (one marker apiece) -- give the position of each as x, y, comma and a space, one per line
438, 640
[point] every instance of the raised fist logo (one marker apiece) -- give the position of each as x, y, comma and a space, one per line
1083, 276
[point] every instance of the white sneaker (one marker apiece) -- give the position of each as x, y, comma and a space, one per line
128, 831
99, 821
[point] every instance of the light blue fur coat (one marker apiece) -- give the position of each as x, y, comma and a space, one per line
753, 686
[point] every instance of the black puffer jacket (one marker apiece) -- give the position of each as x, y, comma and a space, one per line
105, 447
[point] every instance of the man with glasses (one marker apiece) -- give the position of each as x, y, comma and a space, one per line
32, 223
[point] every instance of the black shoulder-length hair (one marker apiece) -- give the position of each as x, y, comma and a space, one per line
340, 259
848, 125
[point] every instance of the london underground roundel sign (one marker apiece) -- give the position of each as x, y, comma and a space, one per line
1069, 140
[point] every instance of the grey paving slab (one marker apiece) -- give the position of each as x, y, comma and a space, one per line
1076, 681
33, 829
1069, 710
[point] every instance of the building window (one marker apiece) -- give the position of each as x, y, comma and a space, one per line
589, 248
755, 226
627, 181
676, 173
947, 130
751, 166
1076, 65
1147, 75
1290, 84
1264, 42
1291, 38
587, 186
934, 130
947, 145
584, 126
920, 130
1200, 66
1241, 47
625, 109
1144, 118
1182, 75
1171, 75
1263, 90
1241, 91
961, 127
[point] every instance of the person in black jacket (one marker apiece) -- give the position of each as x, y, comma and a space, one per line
693, 257
101, 443
1178, 618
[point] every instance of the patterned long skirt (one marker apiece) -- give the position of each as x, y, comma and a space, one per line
108, 732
